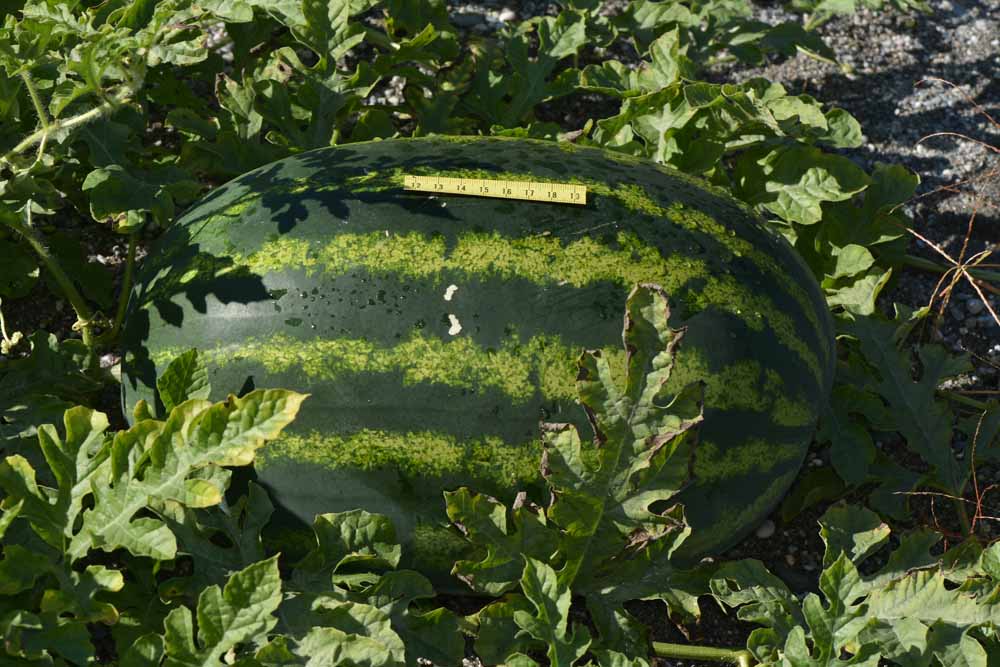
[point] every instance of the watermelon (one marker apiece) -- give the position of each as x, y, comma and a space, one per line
434, 333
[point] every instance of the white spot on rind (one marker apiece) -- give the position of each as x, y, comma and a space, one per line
450, 292
456, 326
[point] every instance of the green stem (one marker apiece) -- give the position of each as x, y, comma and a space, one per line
963, 399
815, 21
69, 123
43, 118
734, 656
3, 327
126, 289
963, 517
963, 514
934, 267
83, 312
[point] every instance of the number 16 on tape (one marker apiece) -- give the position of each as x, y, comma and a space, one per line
559, 193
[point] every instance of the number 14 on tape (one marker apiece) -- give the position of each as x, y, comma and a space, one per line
560, 193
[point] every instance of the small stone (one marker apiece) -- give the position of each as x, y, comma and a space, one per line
765, 530
971, 322
506, 15
468, 20
790, 559
816, 463
974, 306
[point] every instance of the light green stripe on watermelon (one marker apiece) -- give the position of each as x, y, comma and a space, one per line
417, 454
459, 363
540, 259
629, 195
741, 386
754, 455
510, 369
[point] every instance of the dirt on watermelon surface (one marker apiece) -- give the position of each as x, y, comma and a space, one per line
893, 91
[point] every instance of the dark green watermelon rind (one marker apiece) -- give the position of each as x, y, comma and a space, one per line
271, 294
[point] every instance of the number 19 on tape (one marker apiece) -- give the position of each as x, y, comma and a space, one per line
559, 193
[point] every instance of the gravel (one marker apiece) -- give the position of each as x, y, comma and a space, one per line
765, 530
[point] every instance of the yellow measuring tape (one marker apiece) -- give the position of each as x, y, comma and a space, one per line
560, 193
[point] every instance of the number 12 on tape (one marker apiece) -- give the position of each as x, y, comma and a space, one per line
559, 193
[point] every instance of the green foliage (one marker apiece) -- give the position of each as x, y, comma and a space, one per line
240, 612
20, 270
185, 378
880, 393
96, 491
600, 526
914, 609
38, 388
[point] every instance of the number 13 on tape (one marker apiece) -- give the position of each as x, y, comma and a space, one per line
560, 193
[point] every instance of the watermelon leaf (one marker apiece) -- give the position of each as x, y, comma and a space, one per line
498, 635
599, 525
344, 539
910, 611
549, 623
198, 533
352, 633
155, 461
923, 420
505, 540
241, 612
349, 604
151, 462
74, 461
39, 388
645, 447
85, 483
432, 634
185, 378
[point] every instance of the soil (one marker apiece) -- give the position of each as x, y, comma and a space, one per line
899, 63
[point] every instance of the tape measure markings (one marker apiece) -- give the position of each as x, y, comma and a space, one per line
560, 193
